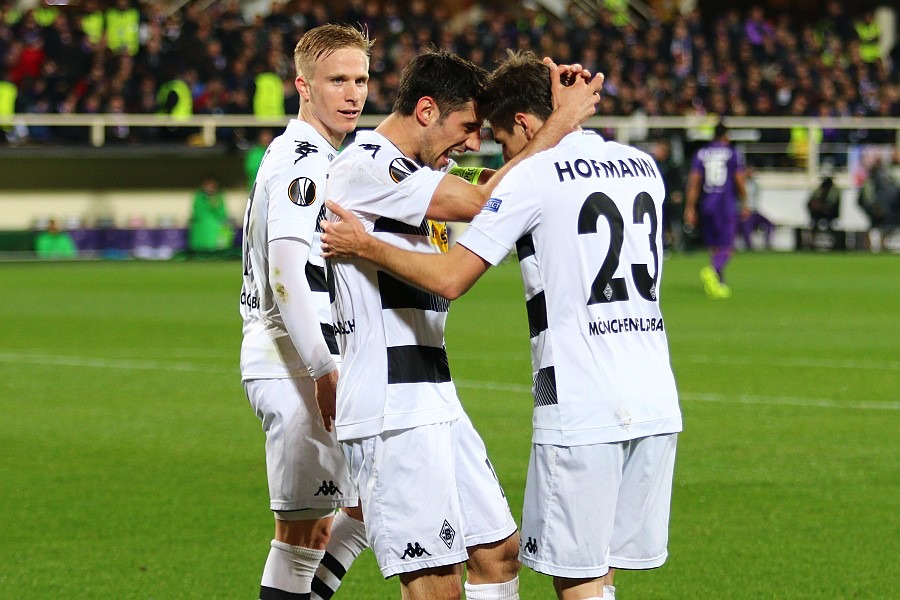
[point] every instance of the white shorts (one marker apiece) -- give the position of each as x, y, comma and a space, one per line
428, 493
305, 465
589, 508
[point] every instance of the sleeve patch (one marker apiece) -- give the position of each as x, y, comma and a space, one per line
302, 191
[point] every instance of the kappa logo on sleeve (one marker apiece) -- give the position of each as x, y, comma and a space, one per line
401, 168
493, 204
303, 150
302, 191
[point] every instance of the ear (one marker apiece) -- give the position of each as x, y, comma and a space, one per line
427, 111
302, 87
524, 121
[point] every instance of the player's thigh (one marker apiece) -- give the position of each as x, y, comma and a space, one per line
305, 466
641, 531
486, 515
570, 501
408, 495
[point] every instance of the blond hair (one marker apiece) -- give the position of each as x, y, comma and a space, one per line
322, 41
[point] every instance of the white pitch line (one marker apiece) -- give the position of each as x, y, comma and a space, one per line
103, 363
516, 388
816, 363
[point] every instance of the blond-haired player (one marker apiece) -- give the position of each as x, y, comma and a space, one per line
289, 358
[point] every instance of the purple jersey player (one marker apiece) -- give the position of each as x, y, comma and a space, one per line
717, 180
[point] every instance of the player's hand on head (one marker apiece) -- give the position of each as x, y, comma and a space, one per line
575, 92
341, 239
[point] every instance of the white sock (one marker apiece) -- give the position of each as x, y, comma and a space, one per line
609, 592
493, 591
289, 569
348, 540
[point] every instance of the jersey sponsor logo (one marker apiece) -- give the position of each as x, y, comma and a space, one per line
401, 168
327, 489
303, 150
587, 168
302, 191
416, 551
439, 236
626, 325
373, 148
493, 204
531, 546
447, 534
250, 301
344, 327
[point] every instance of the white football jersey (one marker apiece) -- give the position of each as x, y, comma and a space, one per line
287, 201
585, 219
395, 373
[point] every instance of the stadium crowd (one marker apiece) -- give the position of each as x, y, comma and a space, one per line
141, 57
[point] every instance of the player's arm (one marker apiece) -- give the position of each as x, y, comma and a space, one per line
740, 186
692, 194
455, 200
449, 274
287, 261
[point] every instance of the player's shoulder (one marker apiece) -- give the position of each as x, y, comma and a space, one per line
377, 155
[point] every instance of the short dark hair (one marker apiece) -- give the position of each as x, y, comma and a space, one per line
520, 84
451, 80
721, 130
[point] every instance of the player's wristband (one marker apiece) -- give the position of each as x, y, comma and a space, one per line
470, 174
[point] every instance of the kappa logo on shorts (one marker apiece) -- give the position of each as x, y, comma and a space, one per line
531, 546
302, 191
401, 168
448, 534
327, 489
414, 551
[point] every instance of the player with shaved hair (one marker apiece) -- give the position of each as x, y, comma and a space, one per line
289, 356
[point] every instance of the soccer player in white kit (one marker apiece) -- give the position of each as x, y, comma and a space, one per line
584, 220
289, 355
431, 498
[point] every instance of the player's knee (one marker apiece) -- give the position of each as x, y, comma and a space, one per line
497, 562
310, 533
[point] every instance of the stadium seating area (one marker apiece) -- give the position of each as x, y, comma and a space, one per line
120, 56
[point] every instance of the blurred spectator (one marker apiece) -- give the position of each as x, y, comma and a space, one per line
255, 154
210, 229
752, 220
824, 203
672, 173
879, 198
54, 243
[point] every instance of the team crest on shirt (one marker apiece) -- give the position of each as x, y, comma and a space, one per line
302, 191
401, 168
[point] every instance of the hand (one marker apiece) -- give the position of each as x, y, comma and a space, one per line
575, 93
344, 238
326, 398
690, 216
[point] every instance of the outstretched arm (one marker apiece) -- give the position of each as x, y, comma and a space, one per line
449, 275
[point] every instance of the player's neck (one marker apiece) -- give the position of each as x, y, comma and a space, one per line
333, 137
404, 132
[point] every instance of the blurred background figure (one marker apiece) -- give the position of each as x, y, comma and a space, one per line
255, 154
751, 220
673, 205
210, 229
824, 203
55, 243
879, 198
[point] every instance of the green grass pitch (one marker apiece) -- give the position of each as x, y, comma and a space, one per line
131, 465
